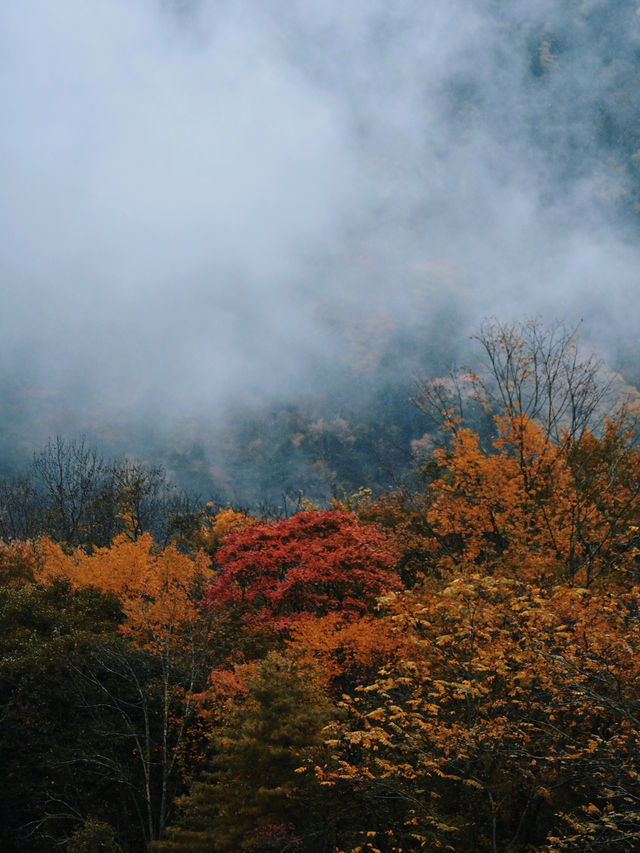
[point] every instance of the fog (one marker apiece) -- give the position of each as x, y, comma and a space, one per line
210, 201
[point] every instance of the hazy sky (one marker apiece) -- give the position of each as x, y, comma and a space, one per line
200, 199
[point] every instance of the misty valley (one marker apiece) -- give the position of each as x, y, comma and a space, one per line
320, 426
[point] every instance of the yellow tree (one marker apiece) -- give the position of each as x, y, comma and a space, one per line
213, 529
511, 723
527, 505
159, 590
344, 652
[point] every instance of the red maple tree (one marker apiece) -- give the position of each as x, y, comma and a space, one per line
280, 572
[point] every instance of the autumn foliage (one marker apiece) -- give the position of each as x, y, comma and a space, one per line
529, 507
451, 667
513, 713
213, 528
158, 587
18, 562
278, 573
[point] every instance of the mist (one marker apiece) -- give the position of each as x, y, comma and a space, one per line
207, 203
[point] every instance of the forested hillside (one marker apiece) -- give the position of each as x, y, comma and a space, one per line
319, 426
447, 665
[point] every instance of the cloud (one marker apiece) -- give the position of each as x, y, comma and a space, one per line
157, 188
201, 200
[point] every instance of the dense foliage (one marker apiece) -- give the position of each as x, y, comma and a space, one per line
452, 666
310, 564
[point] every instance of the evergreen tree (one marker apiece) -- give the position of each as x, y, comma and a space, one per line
259, 794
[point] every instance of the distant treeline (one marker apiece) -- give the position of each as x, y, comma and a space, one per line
71, 493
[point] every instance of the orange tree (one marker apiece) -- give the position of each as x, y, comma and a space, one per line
511, 723
159, 589
345, 652
212, 529
525, 505
509, 720
540, 459
18, 562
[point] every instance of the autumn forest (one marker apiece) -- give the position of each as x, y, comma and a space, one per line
451, 664
320, 426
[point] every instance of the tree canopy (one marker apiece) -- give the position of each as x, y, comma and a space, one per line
450, 666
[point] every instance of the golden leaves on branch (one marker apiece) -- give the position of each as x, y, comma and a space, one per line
159, 588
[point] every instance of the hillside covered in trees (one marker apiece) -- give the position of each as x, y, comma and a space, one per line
451, 664
296, 552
